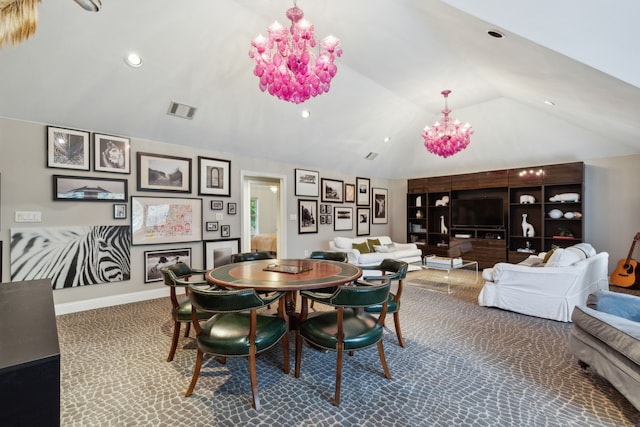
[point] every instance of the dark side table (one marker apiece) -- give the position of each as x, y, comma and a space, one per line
29, 355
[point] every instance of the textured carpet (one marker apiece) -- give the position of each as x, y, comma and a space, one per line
464, 365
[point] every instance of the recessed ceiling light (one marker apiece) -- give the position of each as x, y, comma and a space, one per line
551, 103
387, 139
495, 33
305, 114
133, 60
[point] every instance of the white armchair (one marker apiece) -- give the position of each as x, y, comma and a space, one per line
549, 291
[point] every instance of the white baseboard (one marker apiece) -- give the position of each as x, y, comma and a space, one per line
93, 303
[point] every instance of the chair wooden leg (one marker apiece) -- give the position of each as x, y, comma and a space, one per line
285, 352
196, 374
298, 354
387, 374
254, 381
396, 321
336, 399
187, 330
174, 341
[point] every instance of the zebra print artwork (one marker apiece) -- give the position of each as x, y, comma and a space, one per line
71, 256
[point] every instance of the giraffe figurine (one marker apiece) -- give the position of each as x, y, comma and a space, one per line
443, 228
527, 229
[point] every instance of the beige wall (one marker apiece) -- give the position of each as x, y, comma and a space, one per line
26, 185
612, 204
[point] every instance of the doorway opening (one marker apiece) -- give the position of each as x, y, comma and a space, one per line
263, 208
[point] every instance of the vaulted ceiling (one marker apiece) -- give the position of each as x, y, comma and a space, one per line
398, 56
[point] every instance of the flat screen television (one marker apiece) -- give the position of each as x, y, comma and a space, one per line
477, 213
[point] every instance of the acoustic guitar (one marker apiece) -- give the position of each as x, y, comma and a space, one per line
625, 273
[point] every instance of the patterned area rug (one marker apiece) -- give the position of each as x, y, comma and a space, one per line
464, 365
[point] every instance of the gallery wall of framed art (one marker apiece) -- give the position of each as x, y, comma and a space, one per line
102, 165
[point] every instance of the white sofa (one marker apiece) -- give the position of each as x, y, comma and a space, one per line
407, 252
549, 290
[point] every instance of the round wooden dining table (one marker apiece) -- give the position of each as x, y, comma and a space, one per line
316, 274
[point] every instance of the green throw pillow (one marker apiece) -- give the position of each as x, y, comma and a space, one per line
548, 255
362, 247
372, 243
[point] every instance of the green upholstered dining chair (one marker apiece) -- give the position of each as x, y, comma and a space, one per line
250, 256
332, 256
346, 328
177, 276
392, 270
236, 329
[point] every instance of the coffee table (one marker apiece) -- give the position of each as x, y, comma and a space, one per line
449, 265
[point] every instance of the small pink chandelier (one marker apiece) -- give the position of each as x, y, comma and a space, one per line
292, 72
447, 137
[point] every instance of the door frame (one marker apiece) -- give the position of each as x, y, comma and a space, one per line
246, 177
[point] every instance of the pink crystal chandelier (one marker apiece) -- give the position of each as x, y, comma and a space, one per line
446, 137
285, 63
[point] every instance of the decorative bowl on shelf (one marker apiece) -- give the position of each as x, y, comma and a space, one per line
572, 215
555, 213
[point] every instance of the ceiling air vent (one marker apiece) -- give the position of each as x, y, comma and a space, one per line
181, 110
371, 156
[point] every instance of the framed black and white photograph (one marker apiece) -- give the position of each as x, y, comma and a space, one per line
363, 190
307, 216
362, 221
157, 172
329, 219
379, 198
89, 189
216, 205
225, 230
111, 153
307, 183
323, 219
155, 261
231, 208
343, 218
68, 148
156, 220
331, 190
212, 225
218, 252
120, 211
349, 193
214, 177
